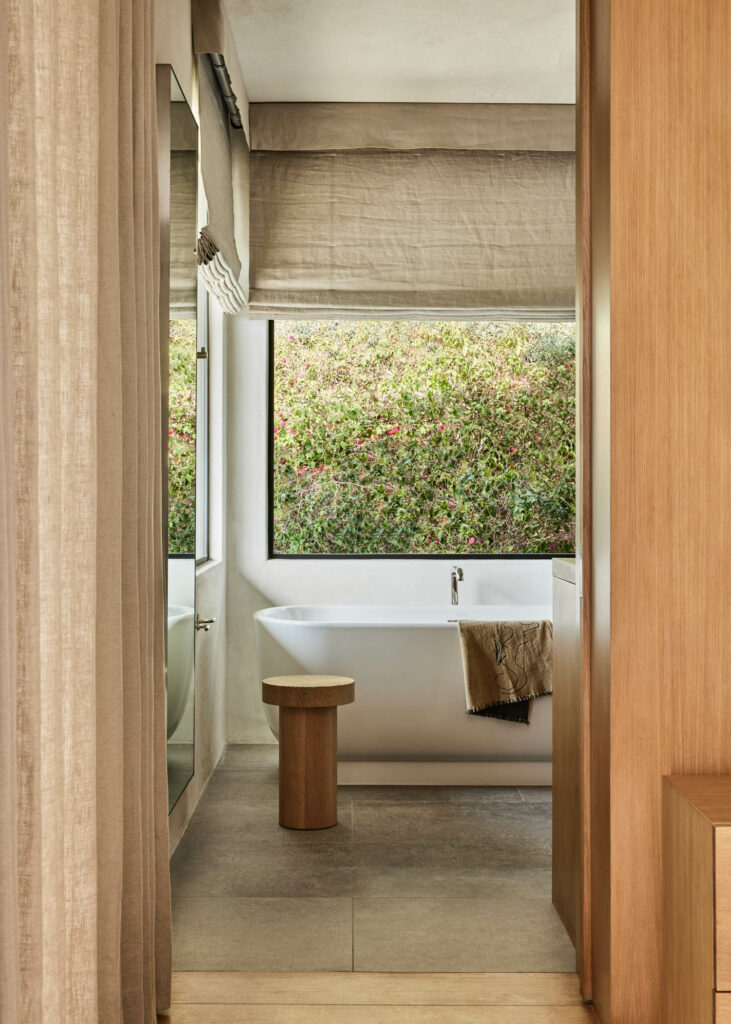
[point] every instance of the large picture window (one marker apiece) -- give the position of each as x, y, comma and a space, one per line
419, 438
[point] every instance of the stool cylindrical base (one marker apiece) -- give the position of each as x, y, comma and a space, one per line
308, 767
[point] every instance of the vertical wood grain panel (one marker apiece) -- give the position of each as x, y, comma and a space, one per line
584, 472
661, 702
594, 59
723, 1008
688, 954
723, 908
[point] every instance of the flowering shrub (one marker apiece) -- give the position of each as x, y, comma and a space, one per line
423, 438
181, 439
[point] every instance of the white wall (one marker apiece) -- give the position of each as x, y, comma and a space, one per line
255, 581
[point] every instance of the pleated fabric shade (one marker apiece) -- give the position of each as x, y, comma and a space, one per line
404, 210
224, 123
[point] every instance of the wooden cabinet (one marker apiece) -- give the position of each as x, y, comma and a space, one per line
723, 1008
697, 899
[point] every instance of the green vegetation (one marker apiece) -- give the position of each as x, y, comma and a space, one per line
423, 438
181, 440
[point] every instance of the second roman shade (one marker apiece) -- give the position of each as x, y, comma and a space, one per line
443, 210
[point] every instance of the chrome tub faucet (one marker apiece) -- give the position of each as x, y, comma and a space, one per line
456, 577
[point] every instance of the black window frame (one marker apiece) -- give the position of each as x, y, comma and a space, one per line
436, 557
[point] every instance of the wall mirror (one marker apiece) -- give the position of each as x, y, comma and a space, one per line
180, 438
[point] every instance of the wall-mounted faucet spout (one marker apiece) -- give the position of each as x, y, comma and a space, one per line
456, 578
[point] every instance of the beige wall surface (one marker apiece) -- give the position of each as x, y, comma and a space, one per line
174, 42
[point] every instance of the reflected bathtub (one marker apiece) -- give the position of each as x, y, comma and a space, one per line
181, 644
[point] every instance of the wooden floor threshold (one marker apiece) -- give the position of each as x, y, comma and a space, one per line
357, 998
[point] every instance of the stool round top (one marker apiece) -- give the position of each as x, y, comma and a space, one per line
308, 691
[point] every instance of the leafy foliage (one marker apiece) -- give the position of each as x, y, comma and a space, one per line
423, 437
181, 439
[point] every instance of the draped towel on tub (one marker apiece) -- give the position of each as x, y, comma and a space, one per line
507, 665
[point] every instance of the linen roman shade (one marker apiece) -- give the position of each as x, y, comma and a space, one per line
218, 252
183, 212
442, 210
224, 120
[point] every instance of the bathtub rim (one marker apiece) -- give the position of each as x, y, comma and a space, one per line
268, 615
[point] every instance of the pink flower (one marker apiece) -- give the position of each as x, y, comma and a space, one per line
440, 427
428, 540
276, 431
443, 522
452, 504
394, 430
362, 475
388, 487
291, 337
170, 430
513, 450
371, 456
472, 540
359, 442
292, 430
553, 547
329, 426
307, 366
284, 359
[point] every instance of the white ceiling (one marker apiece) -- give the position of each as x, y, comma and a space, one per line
440, 51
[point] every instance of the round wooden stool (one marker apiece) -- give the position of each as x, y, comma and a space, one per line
308, 746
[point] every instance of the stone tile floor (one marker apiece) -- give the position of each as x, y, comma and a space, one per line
411, 879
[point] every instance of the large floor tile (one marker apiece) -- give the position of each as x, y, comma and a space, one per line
239, 868
496, 934
230, 815
536, 794
443, 870
242, 756
476, 795
507, 827
259, 934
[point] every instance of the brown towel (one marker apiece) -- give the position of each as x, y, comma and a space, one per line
506, 666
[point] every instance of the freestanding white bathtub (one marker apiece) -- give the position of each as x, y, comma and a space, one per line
409, 713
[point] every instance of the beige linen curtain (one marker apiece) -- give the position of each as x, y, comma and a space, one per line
381, 210
83, 810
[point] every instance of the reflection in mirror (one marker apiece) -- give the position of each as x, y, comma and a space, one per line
181, 673
182, 443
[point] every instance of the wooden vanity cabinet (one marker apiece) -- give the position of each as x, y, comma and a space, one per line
697, 899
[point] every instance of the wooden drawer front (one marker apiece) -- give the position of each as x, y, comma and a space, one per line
723, 909
723, 1008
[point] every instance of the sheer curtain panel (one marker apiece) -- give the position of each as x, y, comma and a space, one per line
83, 841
